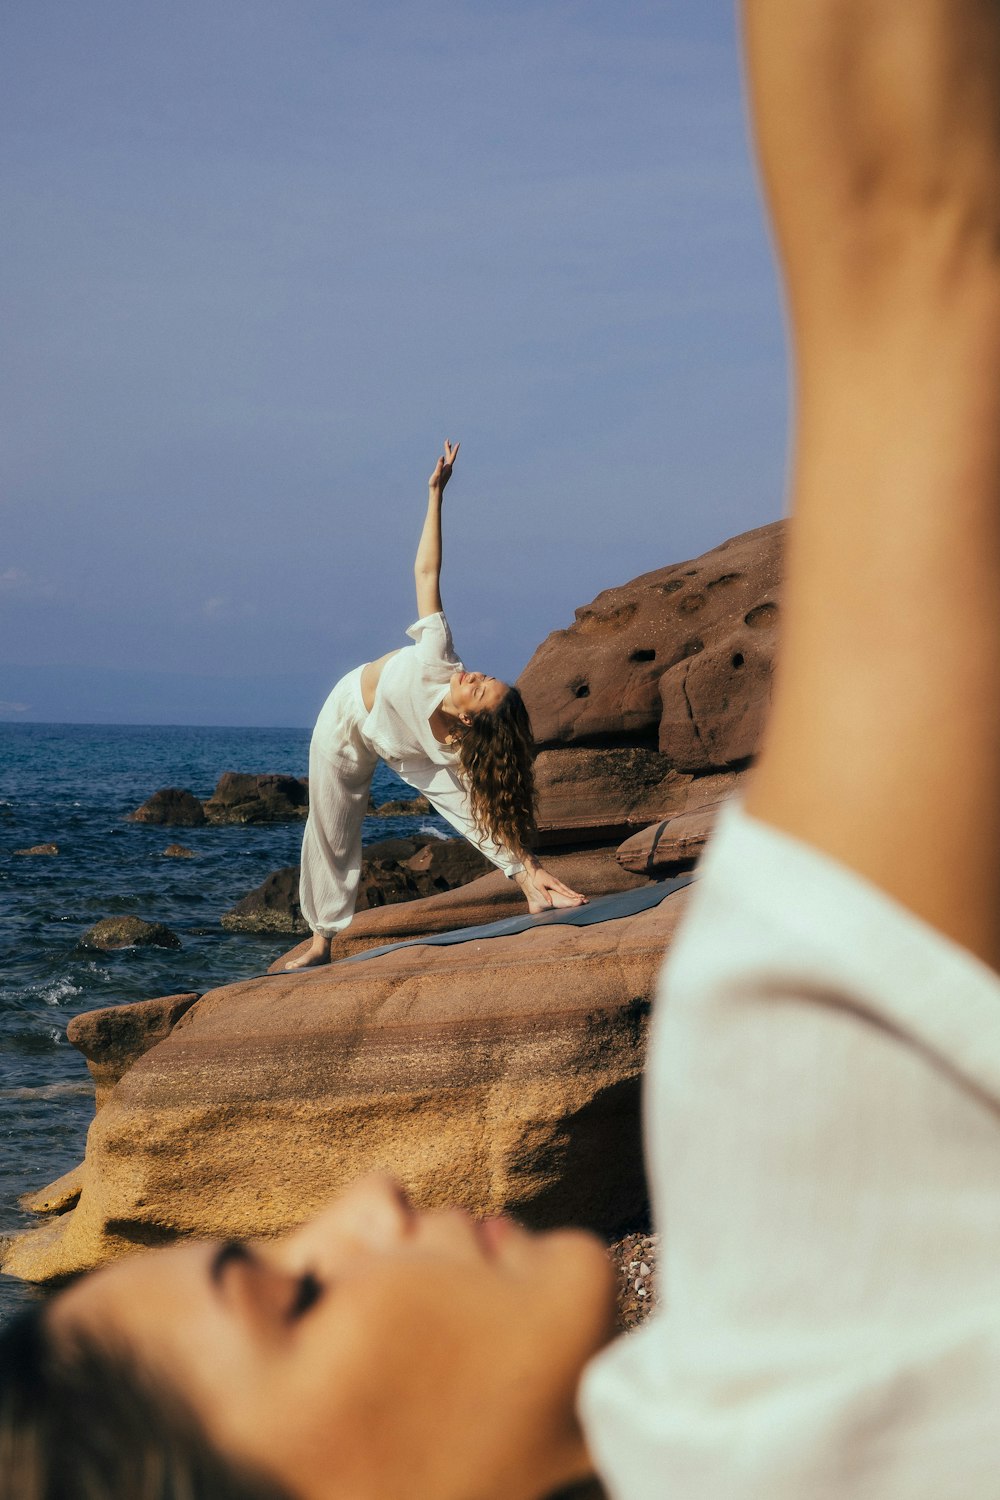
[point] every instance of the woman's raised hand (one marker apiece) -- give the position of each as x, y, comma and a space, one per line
444, 466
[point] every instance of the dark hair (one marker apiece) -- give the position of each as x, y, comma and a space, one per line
496, 752
79, 1421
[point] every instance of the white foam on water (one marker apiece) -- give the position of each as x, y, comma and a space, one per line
27, 1095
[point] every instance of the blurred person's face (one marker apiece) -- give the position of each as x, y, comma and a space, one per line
373, 1352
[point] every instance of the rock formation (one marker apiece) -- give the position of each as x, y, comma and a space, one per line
502, 1075
128, 932
178, 851
499, 1074
408, 807
113, 1038
171, 806
668, 674
39, 849
240, 798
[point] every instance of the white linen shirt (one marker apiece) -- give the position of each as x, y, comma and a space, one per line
398, 728
823, 1140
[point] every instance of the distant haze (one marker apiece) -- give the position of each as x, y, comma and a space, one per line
259, 259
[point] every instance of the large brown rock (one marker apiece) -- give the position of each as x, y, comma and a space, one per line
680, 837
112, 1038
588, 793
171, 805
679, 658
500, 1075
243, 798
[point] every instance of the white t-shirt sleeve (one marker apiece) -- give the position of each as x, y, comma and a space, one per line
432, 637
823, 1138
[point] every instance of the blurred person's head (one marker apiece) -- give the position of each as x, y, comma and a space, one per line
373, 1352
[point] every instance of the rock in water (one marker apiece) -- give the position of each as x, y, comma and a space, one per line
410, 807
129, 932
241, 798
272, 907
170, 805
39, 849
178, 851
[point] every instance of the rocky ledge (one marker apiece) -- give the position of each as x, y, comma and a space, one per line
502, 1074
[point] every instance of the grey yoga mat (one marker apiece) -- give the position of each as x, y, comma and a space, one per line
601, 909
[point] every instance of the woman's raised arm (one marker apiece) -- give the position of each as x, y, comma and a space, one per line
427, 567
878, 130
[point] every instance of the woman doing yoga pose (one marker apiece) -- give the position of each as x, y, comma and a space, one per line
823, 1111
461, 738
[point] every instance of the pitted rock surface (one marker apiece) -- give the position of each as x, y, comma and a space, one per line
679, 658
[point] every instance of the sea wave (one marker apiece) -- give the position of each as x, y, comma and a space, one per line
26, 1094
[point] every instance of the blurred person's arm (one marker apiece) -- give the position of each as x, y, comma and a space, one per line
878, 131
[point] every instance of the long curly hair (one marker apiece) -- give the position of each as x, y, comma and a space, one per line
496, 752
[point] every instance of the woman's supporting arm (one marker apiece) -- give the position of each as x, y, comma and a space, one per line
878, 130
427, 567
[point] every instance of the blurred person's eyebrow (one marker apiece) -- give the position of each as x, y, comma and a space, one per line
228, 1253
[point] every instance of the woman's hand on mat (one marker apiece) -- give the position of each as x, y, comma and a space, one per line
444, 466
546, 892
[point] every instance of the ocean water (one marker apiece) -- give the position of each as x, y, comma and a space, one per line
73, 785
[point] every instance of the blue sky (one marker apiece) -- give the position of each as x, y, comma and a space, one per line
260, 258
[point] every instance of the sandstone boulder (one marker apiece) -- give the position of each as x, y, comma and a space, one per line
588, 793
111, 1039
128, 932
680, 837
171, 806
499, 1075
677, 658
58, 1196
243, 798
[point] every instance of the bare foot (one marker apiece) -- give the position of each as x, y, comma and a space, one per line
318, 952
557, 900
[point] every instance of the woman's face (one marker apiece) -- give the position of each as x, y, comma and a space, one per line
471, 692
375, 1351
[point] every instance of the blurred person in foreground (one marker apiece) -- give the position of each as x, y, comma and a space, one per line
824, 1098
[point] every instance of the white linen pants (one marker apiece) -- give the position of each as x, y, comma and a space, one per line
341, 766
